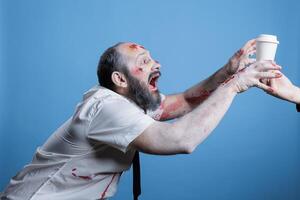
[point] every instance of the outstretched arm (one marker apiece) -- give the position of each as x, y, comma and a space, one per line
184, 135
178, 105
284, 89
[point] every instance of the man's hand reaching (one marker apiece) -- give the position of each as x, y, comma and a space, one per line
251, 76
242, 58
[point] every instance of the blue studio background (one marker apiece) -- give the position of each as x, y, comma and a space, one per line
49, 53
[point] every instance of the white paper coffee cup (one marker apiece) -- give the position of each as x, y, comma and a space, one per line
266, 46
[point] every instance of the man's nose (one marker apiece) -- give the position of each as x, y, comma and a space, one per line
156, 66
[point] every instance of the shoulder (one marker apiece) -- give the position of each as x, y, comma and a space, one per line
95, 99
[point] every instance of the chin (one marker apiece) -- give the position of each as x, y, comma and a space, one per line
155, 93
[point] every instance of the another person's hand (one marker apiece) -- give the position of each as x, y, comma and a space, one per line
284, 89
242, 58
251, 76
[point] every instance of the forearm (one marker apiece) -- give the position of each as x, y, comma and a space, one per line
195, 126
199, 92
180, 104
186, 133
177, 105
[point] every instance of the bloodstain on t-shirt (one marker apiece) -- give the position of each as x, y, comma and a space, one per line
82, 177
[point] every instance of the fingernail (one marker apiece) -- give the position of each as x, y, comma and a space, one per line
270, 90
278, 74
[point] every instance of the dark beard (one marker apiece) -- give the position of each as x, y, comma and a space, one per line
141, 95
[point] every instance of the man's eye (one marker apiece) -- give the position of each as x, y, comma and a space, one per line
146, 61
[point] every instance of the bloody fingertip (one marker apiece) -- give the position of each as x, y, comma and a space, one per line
270, 90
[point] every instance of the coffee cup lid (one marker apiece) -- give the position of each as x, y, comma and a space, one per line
267, 38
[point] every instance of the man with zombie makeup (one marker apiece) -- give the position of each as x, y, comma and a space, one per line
85, 157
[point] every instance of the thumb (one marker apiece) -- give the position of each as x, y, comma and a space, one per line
265, 87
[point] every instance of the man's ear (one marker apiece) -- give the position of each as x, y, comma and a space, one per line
119, 79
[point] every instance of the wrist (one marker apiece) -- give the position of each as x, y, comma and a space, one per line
228, 69
296, 98
230, 86
224, 73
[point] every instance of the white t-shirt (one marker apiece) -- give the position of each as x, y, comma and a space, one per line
85, 157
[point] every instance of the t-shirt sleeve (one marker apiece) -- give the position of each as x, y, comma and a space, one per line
117, 123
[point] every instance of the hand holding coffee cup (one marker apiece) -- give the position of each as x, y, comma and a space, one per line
266, 46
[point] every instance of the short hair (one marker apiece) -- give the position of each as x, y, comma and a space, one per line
111, 60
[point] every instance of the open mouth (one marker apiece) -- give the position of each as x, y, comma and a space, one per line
153, 79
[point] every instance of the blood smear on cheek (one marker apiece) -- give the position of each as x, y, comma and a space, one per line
137, 71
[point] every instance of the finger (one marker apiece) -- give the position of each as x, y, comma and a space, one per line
242, 66
246, 63
267, 65
264, 87
249, 44
238, 54
245, 48
264, 81
251, 53
271, 82
267, 62
270, 74
251, 49
269, 68
249, 61
274, 64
